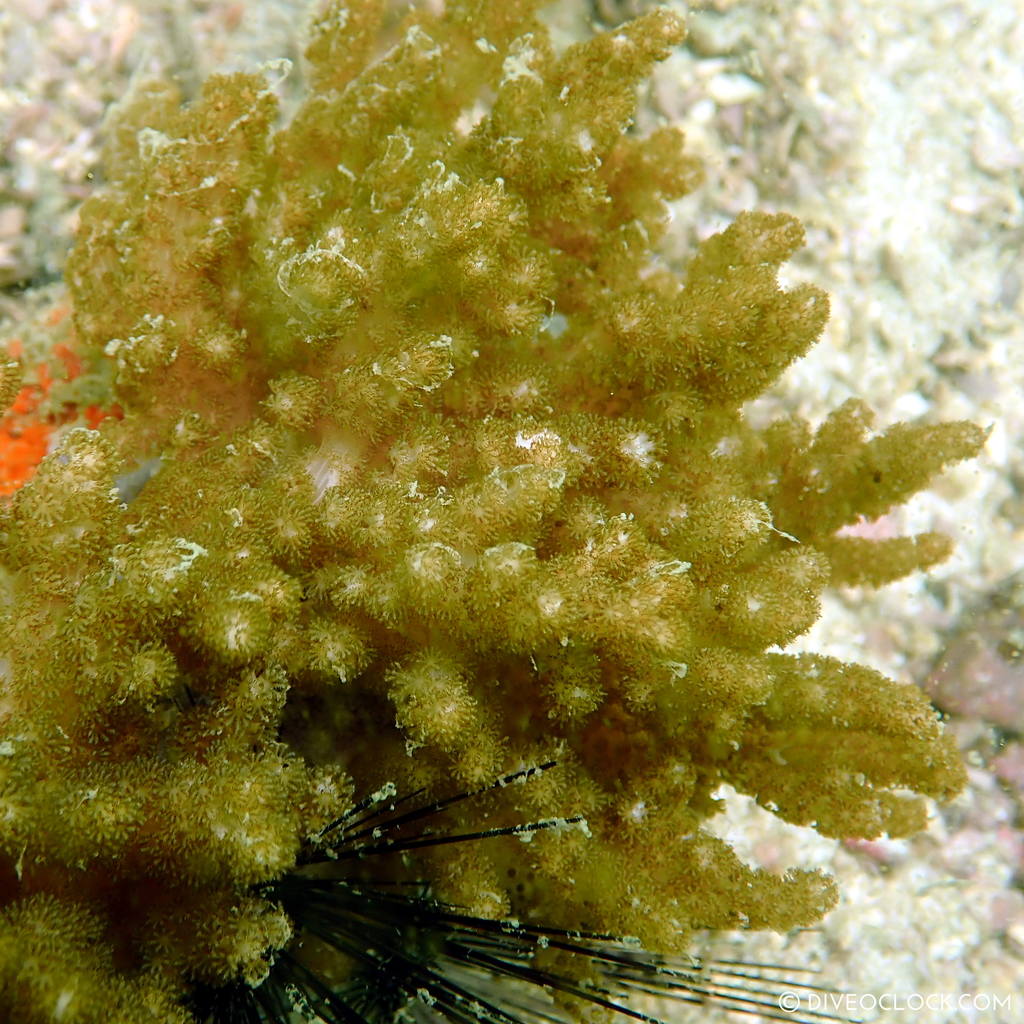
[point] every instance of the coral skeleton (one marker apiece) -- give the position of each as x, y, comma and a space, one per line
430, 466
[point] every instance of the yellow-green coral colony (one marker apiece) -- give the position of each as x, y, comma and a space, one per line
452, 479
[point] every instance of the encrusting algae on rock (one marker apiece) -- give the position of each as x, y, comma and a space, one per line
430, 469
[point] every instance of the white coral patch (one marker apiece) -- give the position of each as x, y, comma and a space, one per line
639, 448
543, 437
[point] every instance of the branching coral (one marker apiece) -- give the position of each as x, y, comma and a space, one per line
452, 476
